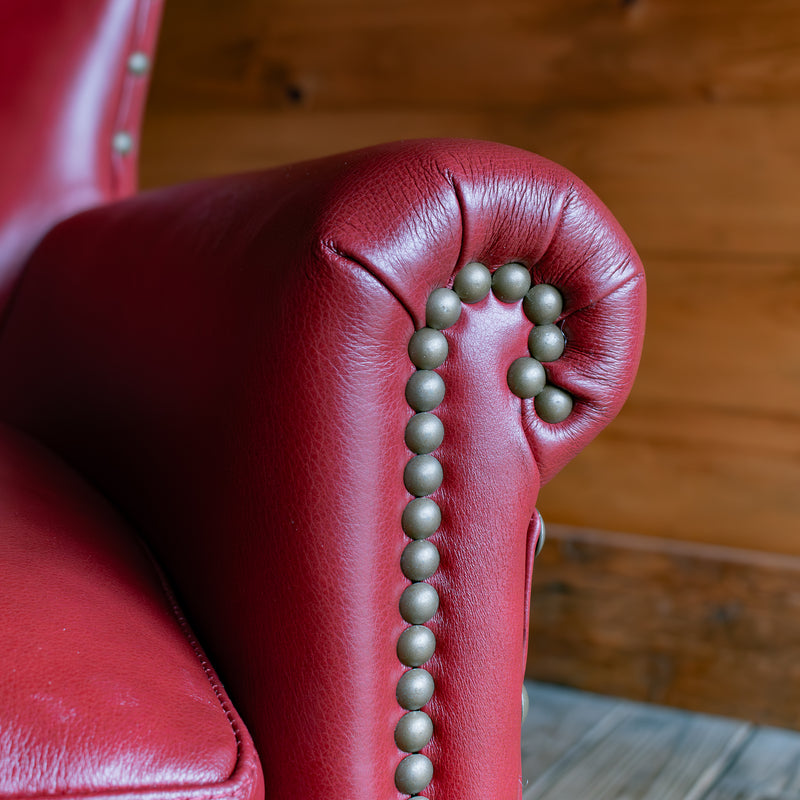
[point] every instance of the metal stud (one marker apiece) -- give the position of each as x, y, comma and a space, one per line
442, 309
418, 603
421, 518
546, 342
526, 703
424, 433
138, 63
413, 731
420, 560
526, 377
543, 304
510, 282
427, 348
423, 475
122, 142
542, 536
413, 773
415, 645
424, 390
414, 689
553, 404
473, 282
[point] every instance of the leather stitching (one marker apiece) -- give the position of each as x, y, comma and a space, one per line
248, 778
240, 786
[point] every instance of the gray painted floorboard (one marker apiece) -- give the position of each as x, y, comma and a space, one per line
580, 746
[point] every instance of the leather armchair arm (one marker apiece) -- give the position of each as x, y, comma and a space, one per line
228, 361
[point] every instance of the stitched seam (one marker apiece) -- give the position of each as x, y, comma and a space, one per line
203, 661
174, 792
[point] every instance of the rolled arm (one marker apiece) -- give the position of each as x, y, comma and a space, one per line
229, 361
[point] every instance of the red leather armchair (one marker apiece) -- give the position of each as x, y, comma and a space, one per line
309, 397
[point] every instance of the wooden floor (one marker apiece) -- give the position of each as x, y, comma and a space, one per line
579, 746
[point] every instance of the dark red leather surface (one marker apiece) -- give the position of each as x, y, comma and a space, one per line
228, 360
64, 94
104, 688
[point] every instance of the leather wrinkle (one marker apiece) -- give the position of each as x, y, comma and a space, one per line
462, 209
370, 269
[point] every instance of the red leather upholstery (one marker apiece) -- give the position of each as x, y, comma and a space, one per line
104, 688
227, 361
65, 93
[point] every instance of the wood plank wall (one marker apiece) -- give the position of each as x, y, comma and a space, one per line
682, 115
702, 627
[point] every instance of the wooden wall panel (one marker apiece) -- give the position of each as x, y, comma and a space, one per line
452, 54
706, 628
690, 180
683, 116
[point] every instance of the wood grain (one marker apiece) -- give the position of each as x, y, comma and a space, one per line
514, 54
696, 180
640, 751
768, 767
706, 628
651, 754
556, 723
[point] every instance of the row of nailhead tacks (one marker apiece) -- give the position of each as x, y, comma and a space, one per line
423, 474
138, 65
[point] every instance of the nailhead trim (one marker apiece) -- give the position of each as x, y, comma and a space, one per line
442, 311
122, 142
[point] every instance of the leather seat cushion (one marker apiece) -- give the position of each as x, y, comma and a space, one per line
103, 687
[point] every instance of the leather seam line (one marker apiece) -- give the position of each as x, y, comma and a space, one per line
332, 248
462, 212
637, 277
202, 660
229, 791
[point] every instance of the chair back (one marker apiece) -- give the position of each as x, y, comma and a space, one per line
75, 75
